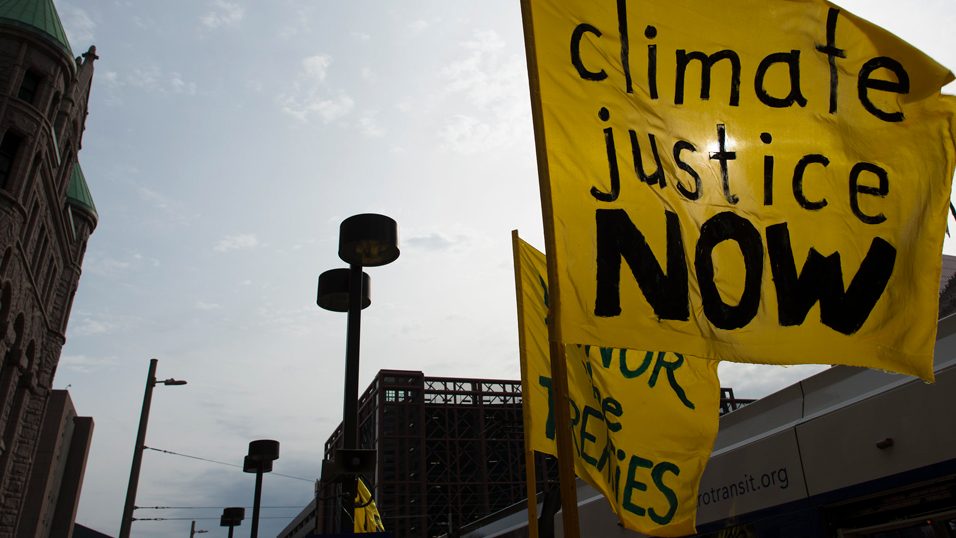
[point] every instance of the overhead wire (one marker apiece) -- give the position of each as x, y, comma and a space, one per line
222, 463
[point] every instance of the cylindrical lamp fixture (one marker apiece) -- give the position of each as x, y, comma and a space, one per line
232, 516
263, 450
250, 465
334, 290
368, 240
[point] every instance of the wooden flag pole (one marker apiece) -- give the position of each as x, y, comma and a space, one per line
559, 375
530, 479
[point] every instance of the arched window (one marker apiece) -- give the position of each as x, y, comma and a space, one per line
31, 354
30, 86
9, 147
53, 272
6, 298
15, 351
54, 106
5, 261
58, 123
34, 214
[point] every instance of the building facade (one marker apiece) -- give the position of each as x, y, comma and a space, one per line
46, 218
449, 452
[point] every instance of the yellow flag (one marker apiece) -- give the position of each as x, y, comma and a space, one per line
367, 518
756, 181
643, 423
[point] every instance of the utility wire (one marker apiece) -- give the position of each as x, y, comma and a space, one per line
223, 463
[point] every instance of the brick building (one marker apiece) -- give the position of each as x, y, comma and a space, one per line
46, 217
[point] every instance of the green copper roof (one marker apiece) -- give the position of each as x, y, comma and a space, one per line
78, 193
38, 15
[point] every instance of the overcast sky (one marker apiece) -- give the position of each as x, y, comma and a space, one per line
226, 141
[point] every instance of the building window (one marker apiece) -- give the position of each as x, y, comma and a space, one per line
51, 279
54, 106
8, 154
43, 241
34, 213
29, 87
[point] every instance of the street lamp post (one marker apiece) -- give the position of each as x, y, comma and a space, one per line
193, 531
259, 460
366, 240
151, 381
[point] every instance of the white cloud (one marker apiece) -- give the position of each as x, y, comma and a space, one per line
86, 326
361, 36
202, 305
493, 84
310, 95
223, 13
173, 210
158, 200
78, 25
98, 263
103, 266
432, 241
369, 126
298, 21
759, 380
316, 67
178, 85
152, 79
292, 321
468, 135
418, 26
84, 364
236, 242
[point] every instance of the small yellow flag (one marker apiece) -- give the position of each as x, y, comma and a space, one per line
367, 518
643, 423
756, 181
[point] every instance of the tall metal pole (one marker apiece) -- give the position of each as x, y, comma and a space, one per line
255, 504
127, 521
350, 405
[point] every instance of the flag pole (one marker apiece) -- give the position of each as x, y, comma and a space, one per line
559, 375
531, 483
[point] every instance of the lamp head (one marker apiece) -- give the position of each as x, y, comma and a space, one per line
172, 381
263, 450
232, 516
250, 465
368, 240
334, 290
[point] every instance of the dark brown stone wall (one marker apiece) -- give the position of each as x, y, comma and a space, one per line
40, 250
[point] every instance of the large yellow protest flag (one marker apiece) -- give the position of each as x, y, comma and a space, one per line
767, 181
643, 423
